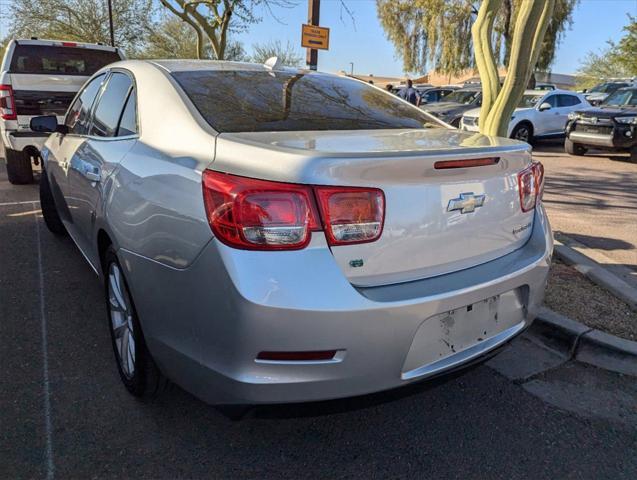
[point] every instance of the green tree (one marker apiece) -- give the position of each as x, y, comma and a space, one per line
81, 20
437, 33
288, 54
213, 20
173, 38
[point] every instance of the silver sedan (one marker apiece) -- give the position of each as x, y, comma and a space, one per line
272, 235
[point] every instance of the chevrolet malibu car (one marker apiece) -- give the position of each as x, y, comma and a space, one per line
541, 114
269, 235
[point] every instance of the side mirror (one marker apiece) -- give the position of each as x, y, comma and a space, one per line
545, 106
47, 124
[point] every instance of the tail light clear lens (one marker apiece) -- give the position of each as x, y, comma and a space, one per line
531, 186
351, 215
262, 215
7, 103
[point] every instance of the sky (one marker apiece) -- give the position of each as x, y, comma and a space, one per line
364, 43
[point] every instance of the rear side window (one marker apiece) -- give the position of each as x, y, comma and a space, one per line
262, 101
77, 119
128, 123
110, 105
567, 100
50, 60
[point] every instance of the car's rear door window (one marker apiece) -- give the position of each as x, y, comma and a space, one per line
567, 100
54, 60
262, 101
78, 116
128, 122
110, 105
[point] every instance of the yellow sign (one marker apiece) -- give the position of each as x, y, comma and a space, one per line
315, 37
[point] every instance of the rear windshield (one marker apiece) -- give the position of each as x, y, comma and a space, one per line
463, 96
45, 60
261, 101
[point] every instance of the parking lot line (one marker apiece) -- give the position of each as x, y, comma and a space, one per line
50, 466
10, 204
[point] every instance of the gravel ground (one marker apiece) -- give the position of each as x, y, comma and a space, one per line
572, 294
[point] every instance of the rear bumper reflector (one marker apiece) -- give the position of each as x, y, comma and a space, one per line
475, 162
311, 356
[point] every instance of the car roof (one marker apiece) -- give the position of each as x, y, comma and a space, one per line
59, 43
551, 92
215, 65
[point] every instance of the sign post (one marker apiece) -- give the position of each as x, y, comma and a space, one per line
313, 12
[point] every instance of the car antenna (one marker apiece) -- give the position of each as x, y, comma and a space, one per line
272, 63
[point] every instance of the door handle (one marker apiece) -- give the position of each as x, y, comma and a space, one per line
92, 176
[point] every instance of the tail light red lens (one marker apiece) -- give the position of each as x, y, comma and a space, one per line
7, 103
262, 215
351, 215
531, 186
258, 214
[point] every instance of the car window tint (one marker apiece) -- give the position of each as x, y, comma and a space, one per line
268, 101
110, 105
432, 96
567, 100
77, 118
128, 123
552, 100
53, 60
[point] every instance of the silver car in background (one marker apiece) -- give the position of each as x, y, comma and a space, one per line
270, 235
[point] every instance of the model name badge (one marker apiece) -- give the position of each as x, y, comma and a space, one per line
521, 228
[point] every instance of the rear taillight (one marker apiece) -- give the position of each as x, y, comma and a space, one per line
531, 186
351, 215
263, 215
7, 103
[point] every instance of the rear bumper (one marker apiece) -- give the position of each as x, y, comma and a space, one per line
19, 140
206, 324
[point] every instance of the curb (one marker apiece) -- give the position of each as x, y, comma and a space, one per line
597, 273
576, 341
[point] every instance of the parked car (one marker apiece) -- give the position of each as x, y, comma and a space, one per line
40, 77
455, 104
545, 86
612, 125
540, 115
600, 92
434, 94
270, 236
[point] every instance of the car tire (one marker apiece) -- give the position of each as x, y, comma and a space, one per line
137, 369
523, 132
633, 154
47, 205
19, 169
574, 148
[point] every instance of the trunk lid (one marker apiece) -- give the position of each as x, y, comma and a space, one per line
425, 232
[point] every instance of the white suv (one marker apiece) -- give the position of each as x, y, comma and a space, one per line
41, 77
540, 114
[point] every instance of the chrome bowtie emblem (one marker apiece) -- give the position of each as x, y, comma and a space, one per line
466, 202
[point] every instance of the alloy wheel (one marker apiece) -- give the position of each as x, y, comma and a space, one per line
121, 316
522, 134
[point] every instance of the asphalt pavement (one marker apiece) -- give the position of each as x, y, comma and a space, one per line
527, 413
593, 200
